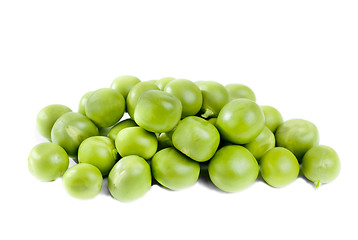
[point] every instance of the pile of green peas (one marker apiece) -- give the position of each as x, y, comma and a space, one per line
175, 127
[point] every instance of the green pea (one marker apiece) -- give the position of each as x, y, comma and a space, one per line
240, 121
174, 170
298, 136
157, 111
105, 107
321, 165
273, 118
188, 93
161, 83
129, 179
215, 96
233, 168
70, 130
136, 141
196, 138
83, 101
164, 141
135, 93
47, 117
237, 91
83, 181
279, 167
98, 151
123, 84
47, 161
262, 143
112, 134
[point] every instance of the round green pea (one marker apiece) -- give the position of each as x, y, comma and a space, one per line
196, 138
161, 83
70, 130
135, 93
273, 117
98, 151
174, 170
47, 117
188, 93
321, 165
298, 136
123, 84
279, 167
157, 111
136, 141
105, 107
215, 96
233, 168
83, 181
262, 143
112, 134
240, 121
47, 161
237, 90
83, 101
129, 179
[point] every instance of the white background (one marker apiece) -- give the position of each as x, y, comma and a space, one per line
298, 56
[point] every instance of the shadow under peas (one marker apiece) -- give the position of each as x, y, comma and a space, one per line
300, 175
259, 178
105, 190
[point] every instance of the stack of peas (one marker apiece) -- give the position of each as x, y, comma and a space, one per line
175, 127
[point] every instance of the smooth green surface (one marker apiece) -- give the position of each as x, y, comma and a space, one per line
273, 118
279, 167
129, 179
135, 93
240, 121
233, 168
105, 107
188, 93
123, 84
321, 165
161, 83
196, 138
112, 134
215, 96
262, 143
83, 181
70, 130
47, 161
298, 136
157, 111
47, 117
136, 141
83, 101
237, 91
98, 151
174, 170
